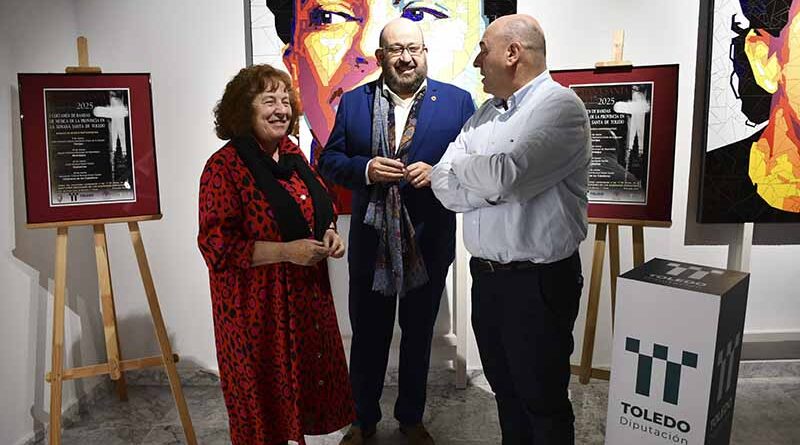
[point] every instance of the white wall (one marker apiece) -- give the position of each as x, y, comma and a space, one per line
36, 36
192, 49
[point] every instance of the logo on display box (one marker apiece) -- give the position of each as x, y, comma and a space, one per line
686, 274
648, 420
725, 363
644, 369
725, 382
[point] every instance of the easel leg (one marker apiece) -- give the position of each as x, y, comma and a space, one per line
58, 335
638, 245
121, 384
613, 260
161, 333
109, 312
594, 301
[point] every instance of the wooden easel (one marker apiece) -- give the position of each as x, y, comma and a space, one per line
115, 366
610, 226
585, 371
618, 50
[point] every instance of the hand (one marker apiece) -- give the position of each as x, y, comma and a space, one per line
418, 174
333, 242
385, 170
306, 252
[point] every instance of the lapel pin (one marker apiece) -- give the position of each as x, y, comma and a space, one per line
433, 98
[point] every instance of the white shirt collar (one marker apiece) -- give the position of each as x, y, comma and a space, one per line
523, 92
397, 100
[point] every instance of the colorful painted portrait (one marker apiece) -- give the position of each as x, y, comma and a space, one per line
751, 163
328, 47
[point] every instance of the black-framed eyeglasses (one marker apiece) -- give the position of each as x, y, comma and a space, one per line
413, 49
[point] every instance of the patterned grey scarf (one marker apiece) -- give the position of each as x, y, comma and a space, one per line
399, 266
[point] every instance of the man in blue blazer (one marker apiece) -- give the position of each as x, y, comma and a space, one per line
386, 137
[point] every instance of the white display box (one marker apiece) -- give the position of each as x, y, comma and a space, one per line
677, 343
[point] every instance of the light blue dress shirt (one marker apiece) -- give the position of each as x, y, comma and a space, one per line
519, 172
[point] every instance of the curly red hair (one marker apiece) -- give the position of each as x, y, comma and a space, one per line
233, 114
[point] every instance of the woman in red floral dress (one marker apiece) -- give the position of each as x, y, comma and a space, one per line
266, 229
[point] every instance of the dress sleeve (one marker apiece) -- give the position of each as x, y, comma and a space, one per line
221, 238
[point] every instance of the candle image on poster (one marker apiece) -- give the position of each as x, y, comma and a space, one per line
89, 146
620, 120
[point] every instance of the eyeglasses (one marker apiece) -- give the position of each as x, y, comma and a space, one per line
413, 49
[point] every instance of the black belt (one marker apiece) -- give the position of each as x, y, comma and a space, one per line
481, 265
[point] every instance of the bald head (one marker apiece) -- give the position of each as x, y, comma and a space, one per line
520, 28
512, 54
397, 28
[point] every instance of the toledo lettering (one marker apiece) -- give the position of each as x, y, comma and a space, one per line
680, 274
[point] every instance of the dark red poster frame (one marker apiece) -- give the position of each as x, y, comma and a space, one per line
662, 142
34, 147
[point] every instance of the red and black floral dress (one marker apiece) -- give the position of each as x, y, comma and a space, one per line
280, 354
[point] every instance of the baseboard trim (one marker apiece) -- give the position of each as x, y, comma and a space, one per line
771, 345
771, 350
771, 336
781, 369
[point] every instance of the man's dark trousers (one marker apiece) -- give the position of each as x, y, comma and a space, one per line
372, 318
523, 315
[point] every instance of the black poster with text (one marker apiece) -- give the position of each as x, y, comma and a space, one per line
89, 146
620, 120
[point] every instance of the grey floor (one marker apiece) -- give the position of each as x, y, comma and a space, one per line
767, 411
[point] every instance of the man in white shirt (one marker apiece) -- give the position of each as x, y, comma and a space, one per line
519, 172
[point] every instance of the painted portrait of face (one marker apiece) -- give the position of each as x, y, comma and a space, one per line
335, 43
329, 45
752, 161
775, 158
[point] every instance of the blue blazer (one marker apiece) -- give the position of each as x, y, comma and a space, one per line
443, 112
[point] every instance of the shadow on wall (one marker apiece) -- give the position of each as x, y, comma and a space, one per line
137, 333
36, 250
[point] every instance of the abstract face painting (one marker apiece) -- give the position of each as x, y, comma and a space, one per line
751, 166
328, 47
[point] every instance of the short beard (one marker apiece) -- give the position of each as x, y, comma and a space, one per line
402, 86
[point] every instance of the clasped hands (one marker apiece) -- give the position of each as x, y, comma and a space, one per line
391, 170
307, 252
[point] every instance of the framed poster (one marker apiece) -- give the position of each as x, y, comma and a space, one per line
328, 48
747, 111
632, 113
88, 147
